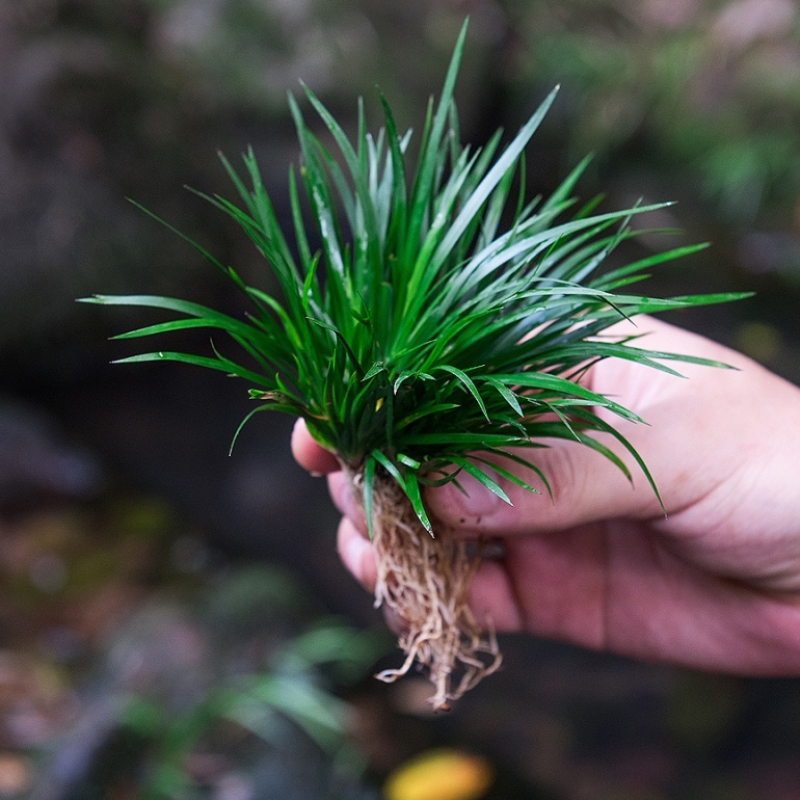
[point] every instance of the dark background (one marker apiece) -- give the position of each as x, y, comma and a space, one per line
690, 100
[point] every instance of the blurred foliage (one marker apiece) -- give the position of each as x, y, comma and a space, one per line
166, 679
707, 88
287, 705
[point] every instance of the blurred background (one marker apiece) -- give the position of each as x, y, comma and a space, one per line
174, 622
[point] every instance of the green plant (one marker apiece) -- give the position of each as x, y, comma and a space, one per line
426, 337
287, 697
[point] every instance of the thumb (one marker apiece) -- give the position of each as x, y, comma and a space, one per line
584, 486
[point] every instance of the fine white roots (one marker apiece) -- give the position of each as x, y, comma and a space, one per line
424, 582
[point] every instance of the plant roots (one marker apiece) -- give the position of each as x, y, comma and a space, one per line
423, 582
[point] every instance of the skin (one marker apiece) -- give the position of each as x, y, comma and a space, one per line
713, 584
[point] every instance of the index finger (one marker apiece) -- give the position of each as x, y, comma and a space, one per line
309, 454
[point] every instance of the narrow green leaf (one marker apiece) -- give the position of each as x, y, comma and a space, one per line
562, 386
369, 488
482, 477
468, 384
385, 462
505, 393
413, 493
504, 473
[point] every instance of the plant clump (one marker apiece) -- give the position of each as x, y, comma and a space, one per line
442, 319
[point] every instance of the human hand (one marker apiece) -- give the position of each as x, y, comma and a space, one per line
715, 584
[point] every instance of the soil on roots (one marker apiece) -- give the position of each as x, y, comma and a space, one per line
424, 581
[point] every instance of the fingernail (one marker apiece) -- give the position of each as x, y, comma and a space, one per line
478, 499
471, 504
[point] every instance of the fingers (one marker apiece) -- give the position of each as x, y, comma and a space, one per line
357, 554
676, 445
354, 548
309, 454
585, 486
492, 599
344, 501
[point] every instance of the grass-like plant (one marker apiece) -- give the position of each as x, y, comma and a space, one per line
443, 319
